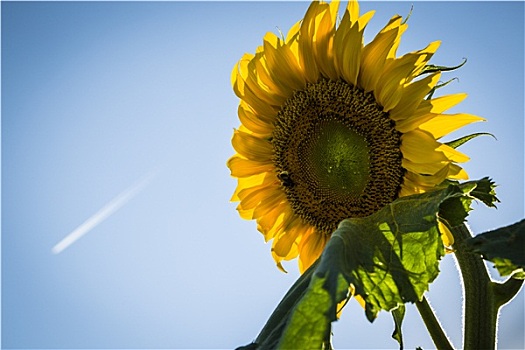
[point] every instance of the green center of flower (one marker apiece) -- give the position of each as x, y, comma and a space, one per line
339, 160
337, 154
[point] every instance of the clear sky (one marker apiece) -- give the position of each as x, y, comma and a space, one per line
125, 110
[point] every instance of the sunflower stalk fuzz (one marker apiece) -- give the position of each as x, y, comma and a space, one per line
484, 297
340, 161
435, 330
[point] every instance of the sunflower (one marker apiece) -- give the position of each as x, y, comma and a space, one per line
334, 129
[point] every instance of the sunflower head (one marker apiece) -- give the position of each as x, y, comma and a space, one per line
333, 129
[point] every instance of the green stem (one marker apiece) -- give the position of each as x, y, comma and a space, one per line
327, 345
504, 292
433, 326
481, 309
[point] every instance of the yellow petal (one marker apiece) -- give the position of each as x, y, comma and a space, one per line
400, 71
241, 167
236, 78
305, 44
455, 172
283, 244
444, 124
453, 154
420, 147
256, 84
245, 214
293, 252
283, 217
428, 182
417, 181
353, 10
273, 218
407, 190
334, 10
293, 32
424, 168
412, 95
267, 180
360, 301
270, 202
446, 235
252, 147
409, 124
252, 198
307, 60
311, 248
263, 108
440, 104
264, 76
246, 182
410, 187
348, 48
376, 52
323, 42
282, 64
254, 202
252, 122
348, 42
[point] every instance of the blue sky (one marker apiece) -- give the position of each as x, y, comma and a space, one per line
98, 95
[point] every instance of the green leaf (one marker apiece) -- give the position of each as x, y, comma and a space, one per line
485, 192
389, 258
272, 331
251, 346
505, 247
409, 14
398, 315
505, 267
430, 68
456, 208
309, 325
439, 86
458, 142
392, 256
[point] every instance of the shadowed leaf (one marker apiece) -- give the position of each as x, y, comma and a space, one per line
389, 258
462, 140
430, 68
398, 315
505, 247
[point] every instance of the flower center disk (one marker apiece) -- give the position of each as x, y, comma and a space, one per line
337, 154
336, 160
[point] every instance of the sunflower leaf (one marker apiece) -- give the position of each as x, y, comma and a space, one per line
389, 258
438, 86
271, 333
409, 14
458, 142
455, 208
406, 243
398, 315
430, 68
392, 256
505, 247
310, 323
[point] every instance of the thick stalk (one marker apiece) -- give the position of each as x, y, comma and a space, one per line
433, 326
480, 309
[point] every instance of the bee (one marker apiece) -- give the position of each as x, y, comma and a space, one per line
285, 178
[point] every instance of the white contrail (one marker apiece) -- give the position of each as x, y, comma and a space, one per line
110, 208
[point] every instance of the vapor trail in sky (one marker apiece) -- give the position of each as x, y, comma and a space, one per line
106, 211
